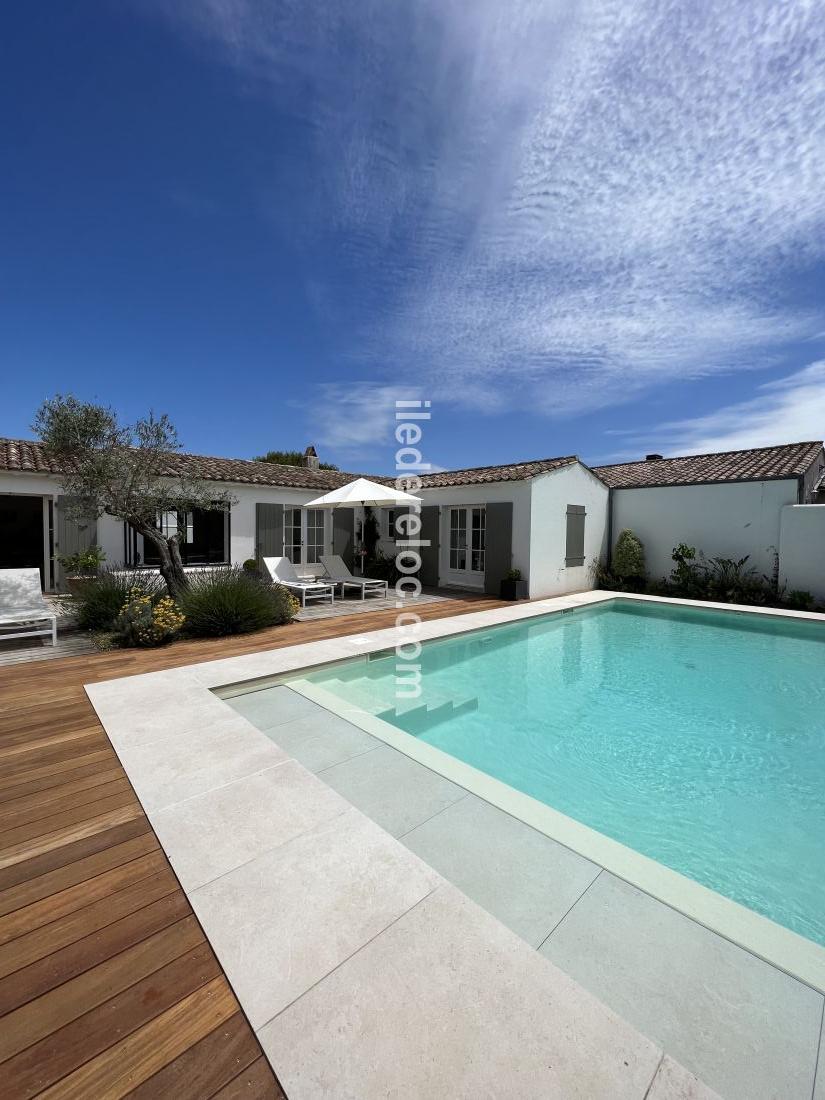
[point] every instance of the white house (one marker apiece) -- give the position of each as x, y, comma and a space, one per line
552, 519
546, 518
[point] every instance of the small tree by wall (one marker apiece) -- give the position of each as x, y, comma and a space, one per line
629, 557
123, 470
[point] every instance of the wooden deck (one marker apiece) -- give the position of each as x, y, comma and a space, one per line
108, 987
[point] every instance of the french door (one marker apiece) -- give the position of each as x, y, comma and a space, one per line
467, 540
304, 535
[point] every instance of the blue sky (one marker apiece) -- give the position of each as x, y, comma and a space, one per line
592, 228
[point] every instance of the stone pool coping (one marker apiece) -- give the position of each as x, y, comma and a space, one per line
228, 805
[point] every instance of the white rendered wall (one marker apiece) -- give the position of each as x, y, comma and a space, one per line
516, 492
110, 539
242, 518
802, 549
26, 484
725, 520
552, 492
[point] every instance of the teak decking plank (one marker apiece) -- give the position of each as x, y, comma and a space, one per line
46, 910
107, 985
87, 774
76, 958
208, 1066
255, 1081
69, 853
52, 882
47, 804
73, 999
66, 1049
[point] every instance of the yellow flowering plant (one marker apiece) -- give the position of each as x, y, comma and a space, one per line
146, 622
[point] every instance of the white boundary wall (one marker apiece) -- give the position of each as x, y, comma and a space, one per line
802, 549
726, 520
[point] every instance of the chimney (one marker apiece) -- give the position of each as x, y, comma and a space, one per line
653, 458
311, 460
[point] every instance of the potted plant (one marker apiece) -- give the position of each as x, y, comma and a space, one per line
81, 569
513, 587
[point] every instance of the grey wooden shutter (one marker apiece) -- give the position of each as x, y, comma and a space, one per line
269, 531
498, 551
574, 550
73, 535
428, 573
343, 534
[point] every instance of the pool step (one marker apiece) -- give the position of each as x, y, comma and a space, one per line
426, 716
413, 715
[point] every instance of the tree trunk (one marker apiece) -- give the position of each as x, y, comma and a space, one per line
171, 566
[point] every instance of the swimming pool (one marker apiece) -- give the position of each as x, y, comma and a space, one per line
695, 737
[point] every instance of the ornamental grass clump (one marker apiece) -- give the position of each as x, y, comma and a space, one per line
100, 604
146, 622
232, 601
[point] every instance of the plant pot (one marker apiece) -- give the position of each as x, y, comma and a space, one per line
513, 590
78, 585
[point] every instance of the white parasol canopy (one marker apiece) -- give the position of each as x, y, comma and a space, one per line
362, 491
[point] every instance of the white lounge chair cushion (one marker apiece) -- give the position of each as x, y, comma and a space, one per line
26, 615
337, 571
20, 590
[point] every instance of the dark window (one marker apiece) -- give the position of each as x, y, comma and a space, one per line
574, 552
202, 534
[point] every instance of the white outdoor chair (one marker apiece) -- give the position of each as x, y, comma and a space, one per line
339, 574
282, 571
22, 604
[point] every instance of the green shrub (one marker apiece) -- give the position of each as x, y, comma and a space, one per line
382, 568
602, 577
146, 622
722, 580
629, 556
800, 600
730, 581
85, 563
688, 578
100, 602
231, 601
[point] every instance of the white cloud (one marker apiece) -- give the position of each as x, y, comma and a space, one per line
788, 410
554, 204
357, 419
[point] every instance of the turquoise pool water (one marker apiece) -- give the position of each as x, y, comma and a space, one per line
695, 737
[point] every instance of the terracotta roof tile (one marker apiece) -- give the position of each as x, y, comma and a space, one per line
23, 454
757, 464
480, 475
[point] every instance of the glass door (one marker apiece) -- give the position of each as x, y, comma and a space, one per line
304, 535
292, 535
467, 540
315, 532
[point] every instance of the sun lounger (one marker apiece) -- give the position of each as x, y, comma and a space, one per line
282, 571
22, 604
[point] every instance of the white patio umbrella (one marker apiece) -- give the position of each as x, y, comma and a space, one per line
362, 491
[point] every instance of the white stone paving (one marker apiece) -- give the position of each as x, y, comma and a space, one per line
367, 973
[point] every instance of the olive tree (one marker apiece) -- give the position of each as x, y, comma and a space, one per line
127, 471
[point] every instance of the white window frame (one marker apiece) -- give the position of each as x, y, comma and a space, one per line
298, 547
466, 511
